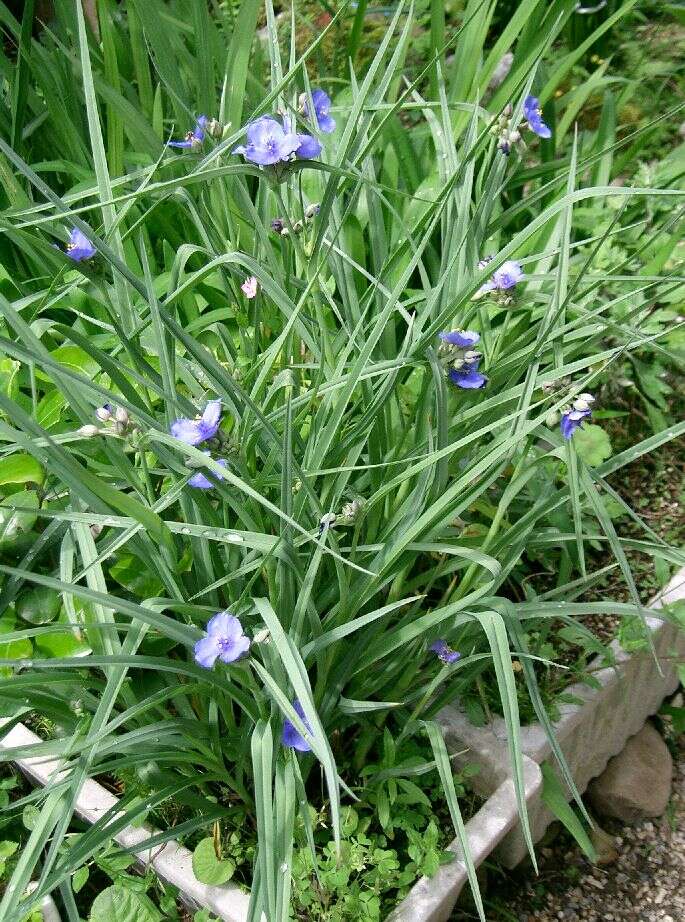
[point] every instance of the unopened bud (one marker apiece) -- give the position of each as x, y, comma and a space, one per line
327, 521
215, 129
88, 431
96, 529
311, 211
104, 413
121, 416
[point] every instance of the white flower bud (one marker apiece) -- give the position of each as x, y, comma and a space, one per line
327, 521
88, 431
121, 416
104, 413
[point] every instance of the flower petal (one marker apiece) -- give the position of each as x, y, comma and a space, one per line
291, 737
224, 625
462, 338
206, 652
188, 431
236, 649
309, 147
468, 378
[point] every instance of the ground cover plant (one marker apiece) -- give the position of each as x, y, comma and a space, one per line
307, 372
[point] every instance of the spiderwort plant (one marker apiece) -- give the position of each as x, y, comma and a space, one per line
224, 640
574, 416
292, 738
444, 652
195, 137
533, 116
79, 247
200, 480
198, 430
322, 110
462, 361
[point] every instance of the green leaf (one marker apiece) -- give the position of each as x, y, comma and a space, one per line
14, 523
555, 799
592, 444
120, 904
30, 816
207, 867
20, 469
38, 605
79, 878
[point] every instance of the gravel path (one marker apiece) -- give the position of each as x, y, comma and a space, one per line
641, 877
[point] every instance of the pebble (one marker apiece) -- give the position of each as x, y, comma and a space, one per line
646, 882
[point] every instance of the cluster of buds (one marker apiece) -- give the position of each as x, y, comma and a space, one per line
115, 420
279, 225
351, 511
215, 129
551, 387
506, 136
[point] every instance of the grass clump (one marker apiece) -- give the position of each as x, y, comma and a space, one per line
291, 408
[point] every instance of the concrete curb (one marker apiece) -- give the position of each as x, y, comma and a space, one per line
589, 734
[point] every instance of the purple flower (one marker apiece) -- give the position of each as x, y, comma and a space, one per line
104, 413
468, 376
198, 430
79, 246
533, 115
309, 147
195, 137
572, 417
225, 641
268, 142
201, 481
322, 108
507, 276
462, 338
291, 737
444, 652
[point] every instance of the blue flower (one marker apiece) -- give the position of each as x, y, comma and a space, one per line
293, 738
198, 430
195, 137
225, 641
572, 417
322, 108
467, 376
201, 481
462, 338
79, 246
444, 652
533, 115
309, 147
507, 276
268, 142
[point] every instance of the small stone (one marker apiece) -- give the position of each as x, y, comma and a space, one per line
637, 782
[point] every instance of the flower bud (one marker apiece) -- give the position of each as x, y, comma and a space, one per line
104, 413
327, 521
215, 129
311, 211
88, 431
277, 225
121, 416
